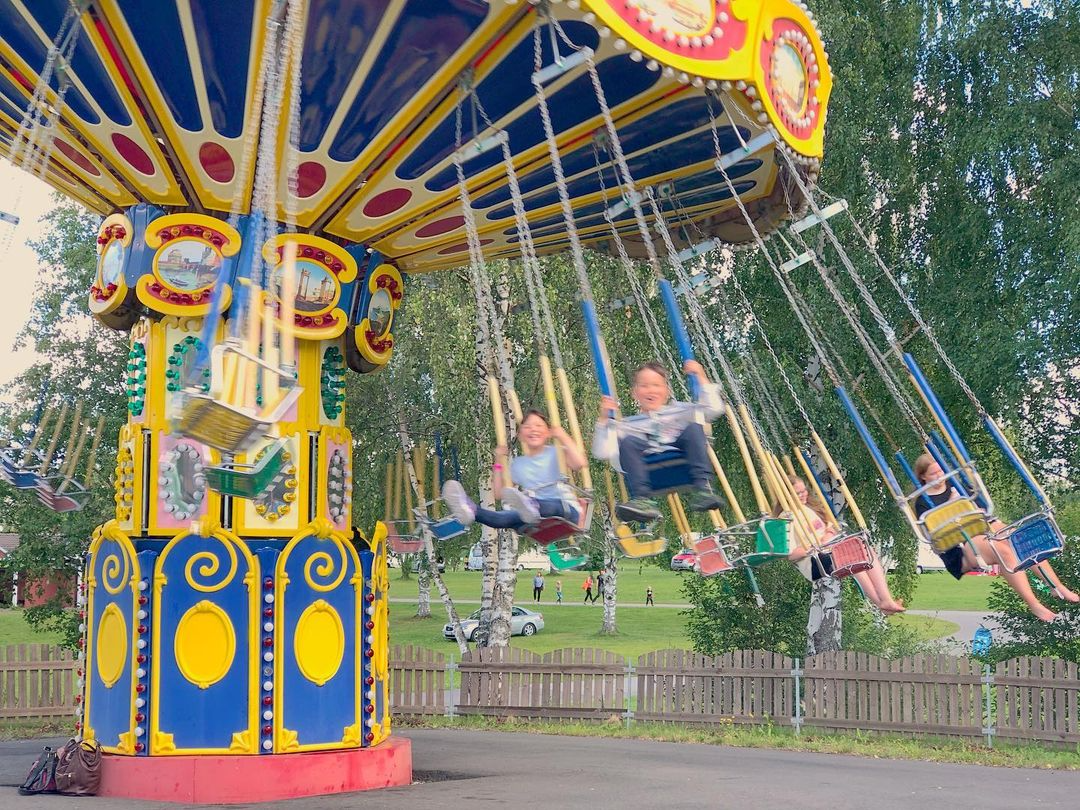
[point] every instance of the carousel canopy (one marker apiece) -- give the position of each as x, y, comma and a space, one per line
160, 107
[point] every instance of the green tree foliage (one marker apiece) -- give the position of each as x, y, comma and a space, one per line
81, 361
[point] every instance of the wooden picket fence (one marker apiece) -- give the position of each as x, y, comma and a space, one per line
1021, 699
36, 681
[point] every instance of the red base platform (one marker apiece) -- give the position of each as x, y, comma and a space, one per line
246, 779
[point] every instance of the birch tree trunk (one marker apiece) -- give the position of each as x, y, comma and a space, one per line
429, 568
826, 619
489, 544
610, 574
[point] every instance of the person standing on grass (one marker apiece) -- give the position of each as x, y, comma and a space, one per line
538, 586
648, 597
558, 592
599, 586
587, 587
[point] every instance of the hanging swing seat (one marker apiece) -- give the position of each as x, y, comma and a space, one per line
712, 557
19, 476
228, 426
766, 539
566, 555
952, 523
667, 470
62, 495
851, 554
400, 540
251, 480
446, 528
638, 544
1033, 539
556, 529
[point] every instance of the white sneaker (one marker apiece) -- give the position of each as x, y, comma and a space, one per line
517, 501
453, 494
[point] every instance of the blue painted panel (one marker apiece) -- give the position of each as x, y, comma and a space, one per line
673, 120
17, 33
425, 36
110, 706
500, 92
205, 717
336, 38
224, 34
319, 713
672, 157
622, 79
159, 37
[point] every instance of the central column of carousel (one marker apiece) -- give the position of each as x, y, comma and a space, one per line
236, 647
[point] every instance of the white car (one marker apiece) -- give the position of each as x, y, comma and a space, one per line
523, 622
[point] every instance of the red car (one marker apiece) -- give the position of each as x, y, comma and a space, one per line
684, 561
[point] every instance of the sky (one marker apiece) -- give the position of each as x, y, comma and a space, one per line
29, 199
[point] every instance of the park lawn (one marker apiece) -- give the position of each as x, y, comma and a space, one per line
15, 630
634, 578
641, 630
939, 591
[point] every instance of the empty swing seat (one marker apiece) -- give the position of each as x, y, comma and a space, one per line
772, 539
638, 544
1034, 539
250, 480
400, 541
850, 554
712, 557
446, 528
953, 522
667, 471
566, 556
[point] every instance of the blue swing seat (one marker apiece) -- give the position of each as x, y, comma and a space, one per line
447, 528
16, 475
667, 471
1034, 539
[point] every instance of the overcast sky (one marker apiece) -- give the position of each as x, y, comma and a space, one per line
29, 199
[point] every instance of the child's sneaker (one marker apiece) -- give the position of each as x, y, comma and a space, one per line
703, 499
517, 501
458, 502
640, 510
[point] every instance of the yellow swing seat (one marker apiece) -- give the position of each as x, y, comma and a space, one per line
953, 522
228, 426
638, 544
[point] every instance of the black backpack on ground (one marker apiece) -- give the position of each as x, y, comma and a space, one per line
42, 776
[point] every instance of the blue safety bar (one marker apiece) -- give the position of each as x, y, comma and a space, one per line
935, 406
871, 445
596, 347
678, 329
1014, 459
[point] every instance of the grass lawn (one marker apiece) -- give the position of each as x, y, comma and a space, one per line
634, 578
15, 630
641, 630
939, 591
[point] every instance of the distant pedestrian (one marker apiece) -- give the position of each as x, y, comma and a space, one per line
648, 597
558, 592
599, 585
538, 586
587, 587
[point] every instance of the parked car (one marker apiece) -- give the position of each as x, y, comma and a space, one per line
684, 561
416, 565
523, 622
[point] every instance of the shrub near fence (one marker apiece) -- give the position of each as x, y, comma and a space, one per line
36, 681
1021, 699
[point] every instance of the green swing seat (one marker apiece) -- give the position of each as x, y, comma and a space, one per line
250, 480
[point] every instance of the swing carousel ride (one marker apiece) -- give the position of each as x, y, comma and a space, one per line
269, 172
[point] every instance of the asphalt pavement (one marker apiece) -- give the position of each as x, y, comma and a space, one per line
458, 768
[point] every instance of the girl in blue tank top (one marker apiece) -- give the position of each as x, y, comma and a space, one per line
538, 490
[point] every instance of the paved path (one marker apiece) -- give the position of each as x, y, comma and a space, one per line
455, 768
968, 621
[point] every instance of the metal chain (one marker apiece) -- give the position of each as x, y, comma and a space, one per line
576, 254
490, 325
917, 315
